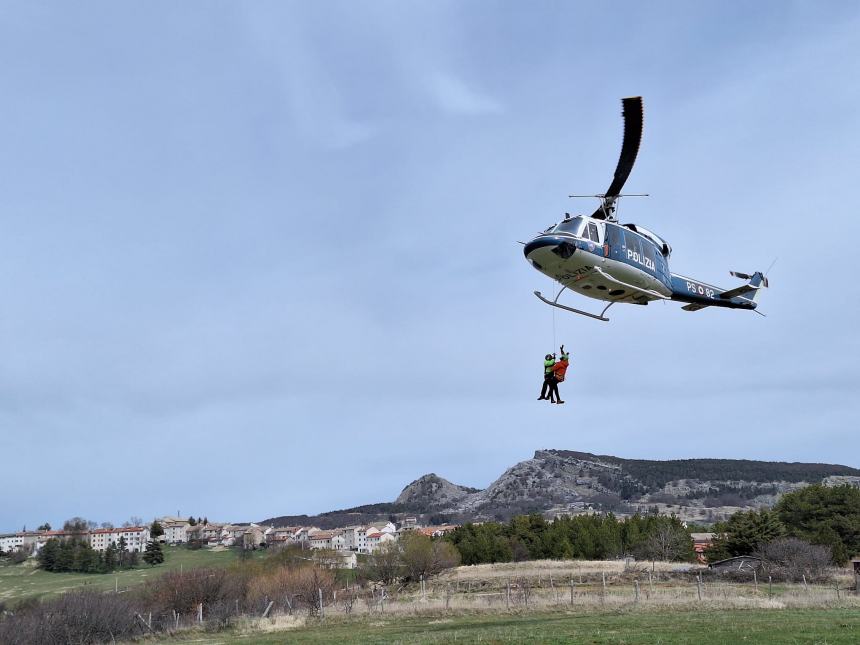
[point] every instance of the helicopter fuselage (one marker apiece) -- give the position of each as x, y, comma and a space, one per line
612, 262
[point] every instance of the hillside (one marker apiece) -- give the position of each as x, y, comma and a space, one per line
567, 481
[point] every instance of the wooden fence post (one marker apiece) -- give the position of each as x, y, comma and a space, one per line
571, 590
508, 595
322, 609
755, 580
769, 586
200, 613
268, 608
603, 595
699, 585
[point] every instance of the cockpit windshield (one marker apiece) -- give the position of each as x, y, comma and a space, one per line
573, 225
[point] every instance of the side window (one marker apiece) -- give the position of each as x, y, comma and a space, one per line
592, 233
648, 250
631, 241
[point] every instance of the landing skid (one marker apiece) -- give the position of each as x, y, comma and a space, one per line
554, 303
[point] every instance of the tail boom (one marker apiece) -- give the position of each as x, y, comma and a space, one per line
699, 295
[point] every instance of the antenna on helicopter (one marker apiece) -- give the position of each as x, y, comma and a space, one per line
632, 112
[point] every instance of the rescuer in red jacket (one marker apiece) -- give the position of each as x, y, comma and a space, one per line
558, 372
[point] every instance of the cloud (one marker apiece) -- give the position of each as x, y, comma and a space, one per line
455, 97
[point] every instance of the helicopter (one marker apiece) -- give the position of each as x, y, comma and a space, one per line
597, 256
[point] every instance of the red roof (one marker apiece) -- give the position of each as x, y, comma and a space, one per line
375, 535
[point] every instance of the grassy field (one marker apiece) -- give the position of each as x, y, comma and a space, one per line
632, 627
25, 580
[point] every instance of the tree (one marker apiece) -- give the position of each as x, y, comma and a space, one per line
76, 525
744, 533
44, 527
86, 558
416, 553
667, 543
192, 521
824, 515
156, 530
133, 559
385, 564
65, 556
106, 525
47, 557
122, 552
153, 554
109, 558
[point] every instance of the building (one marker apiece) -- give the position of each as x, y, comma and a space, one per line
209, 534
438, 531
175, 530
350, 537
408, 524
378, 539
701, 543
304, 533
32, 541
282, 535
10, 542
135, 537
254, 536
327, 540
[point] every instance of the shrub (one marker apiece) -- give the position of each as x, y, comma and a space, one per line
293, 588
792, 559
17, 557
183, 592
75, 617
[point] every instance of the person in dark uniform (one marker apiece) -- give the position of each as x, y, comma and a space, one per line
548, 362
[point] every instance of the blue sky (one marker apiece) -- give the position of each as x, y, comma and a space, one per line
260, 258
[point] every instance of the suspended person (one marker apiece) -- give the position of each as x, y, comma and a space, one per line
548, 362
559, 369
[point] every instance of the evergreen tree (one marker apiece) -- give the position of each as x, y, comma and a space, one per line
122, 552
86, 559
47, 557
153, 554
824, 515
192, 521
65, 556
133, 559
744, 532
109, 558
44, 527
156, 530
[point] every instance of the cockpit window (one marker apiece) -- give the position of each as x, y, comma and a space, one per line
573, 226
592, 232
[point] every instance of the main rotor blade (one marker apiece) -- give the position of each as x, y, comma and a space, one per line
632, 112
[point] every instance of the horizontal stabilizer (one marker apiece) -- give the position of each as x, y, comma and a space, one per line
738, 291
693, 307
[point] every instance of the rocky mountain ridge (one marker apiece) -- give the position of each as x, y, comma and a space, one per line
564, 481
568, 482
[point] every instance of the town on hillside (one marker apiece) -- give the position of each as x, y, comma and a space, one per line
346, 542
